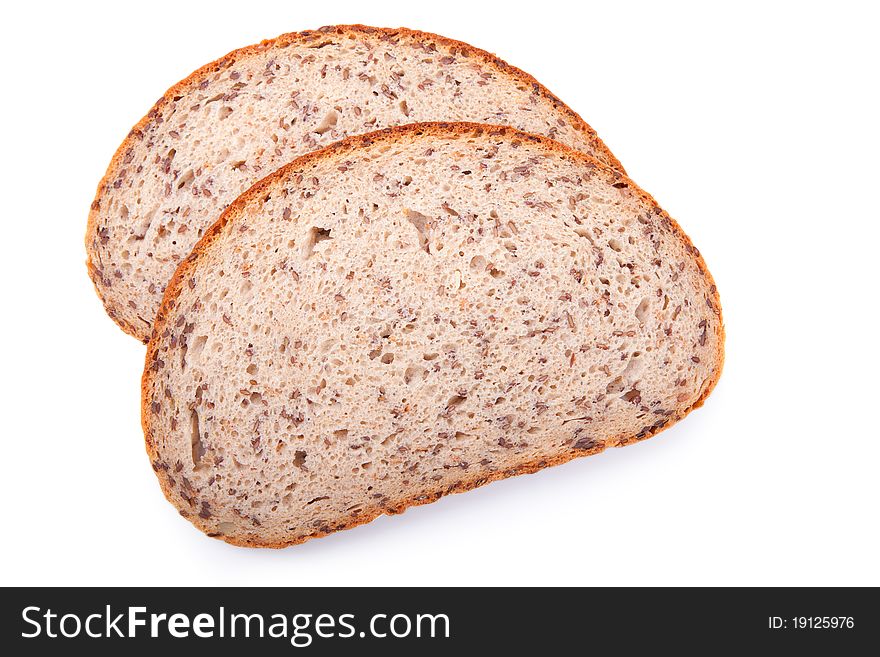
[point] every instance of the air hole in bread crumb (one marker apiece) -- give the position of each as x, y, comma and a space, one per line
187, 177
387, 358
316, 236
615, 245
196, 444
642, 309
299, 459
583, 232
411, 373
616, 385
454, 402
422, 223
328, 122
197, 346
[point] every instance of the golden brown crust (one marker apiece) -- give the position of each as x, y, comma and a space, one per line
354, 143
283, 41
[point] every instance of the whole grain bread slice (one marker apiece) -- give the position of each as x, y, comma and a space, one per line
416, 312
236, 120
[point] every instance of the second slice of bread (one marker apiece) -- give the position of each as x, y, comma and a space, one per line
230, 123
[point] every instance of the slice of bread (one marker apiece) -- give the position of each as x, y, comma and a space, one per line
416, 312
236, 120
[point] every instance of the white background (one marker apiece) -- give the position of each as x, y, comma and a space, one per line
755, 125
